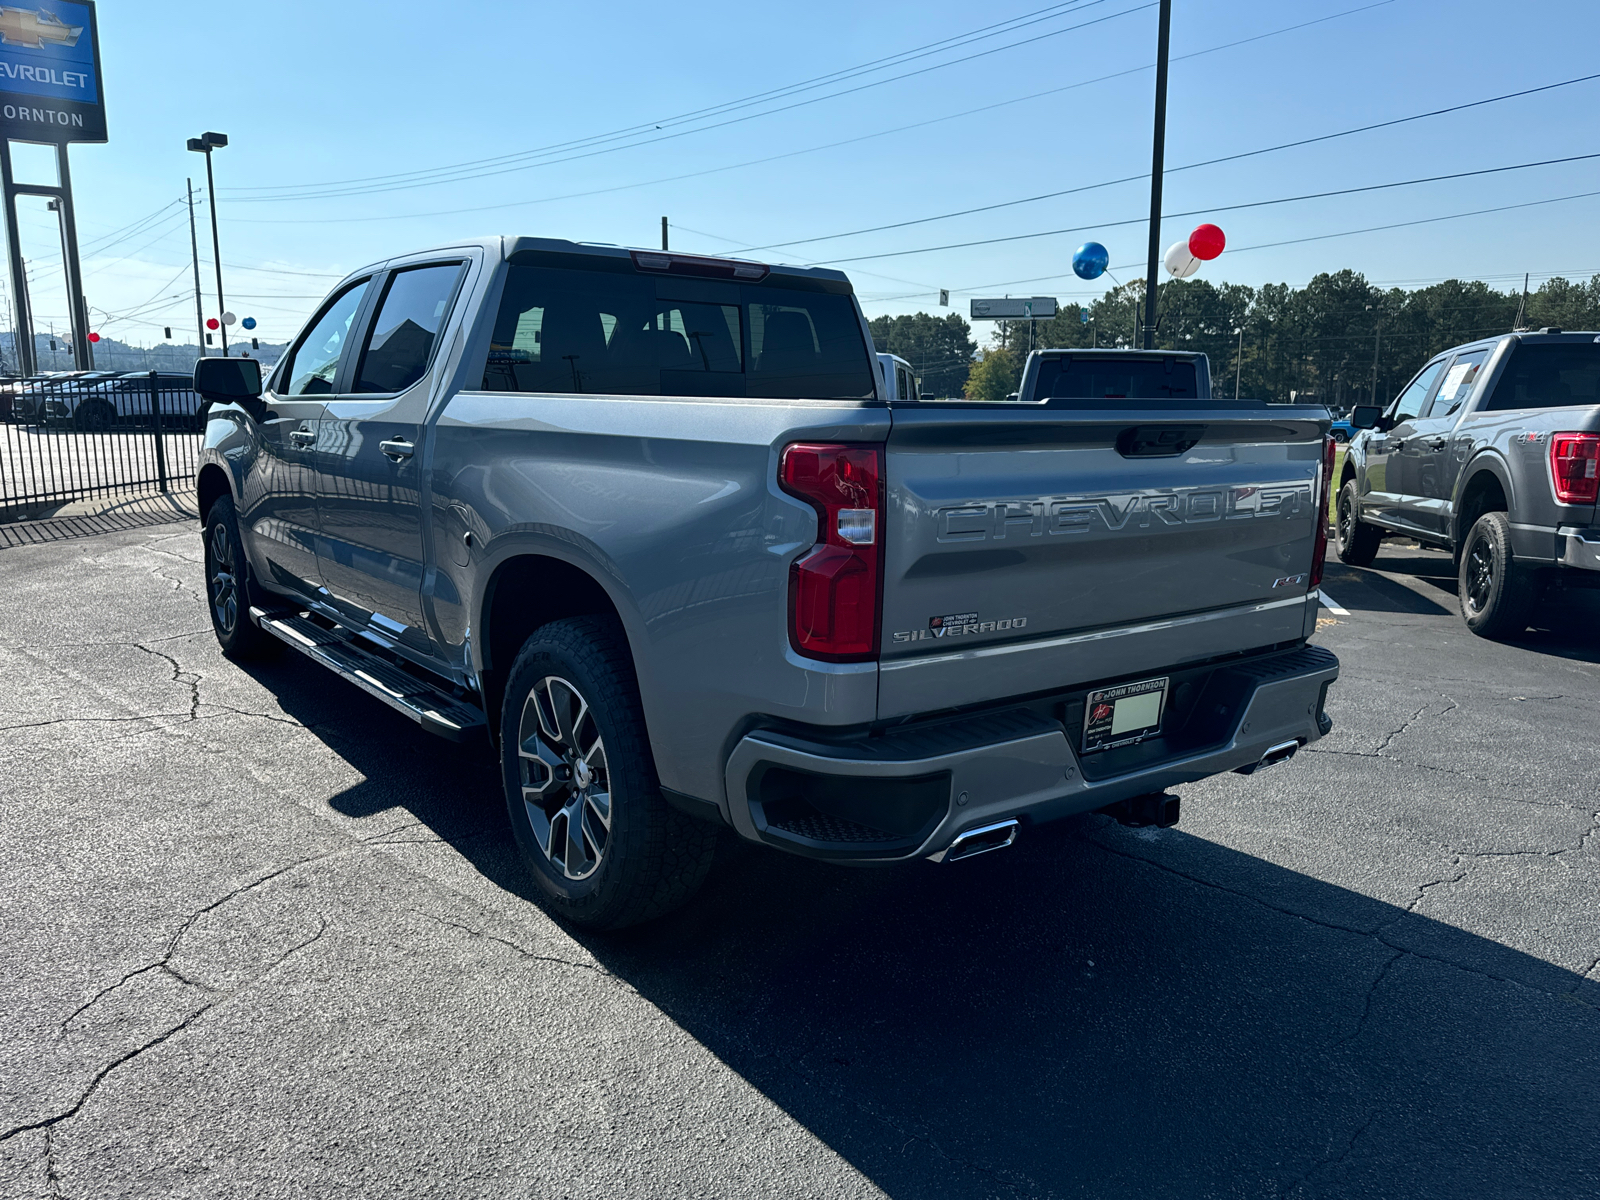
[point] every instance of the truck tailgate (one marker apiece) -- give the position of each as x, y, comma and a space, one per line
1035, 549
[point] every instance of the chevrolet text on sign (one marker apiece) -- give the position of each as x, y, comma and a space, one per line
50, 74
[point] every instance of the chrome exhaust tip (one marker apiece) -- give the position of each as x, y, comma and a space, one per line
1281, 753
978, 841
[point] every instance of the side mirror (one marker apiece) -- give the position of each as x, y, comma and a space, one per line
227, 380
1365, 416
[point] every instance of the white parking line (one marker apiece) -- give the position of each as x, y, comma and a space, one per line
1329, 604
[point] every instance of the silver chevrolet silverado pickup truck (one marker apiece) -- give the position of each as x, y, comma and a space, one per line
644, 522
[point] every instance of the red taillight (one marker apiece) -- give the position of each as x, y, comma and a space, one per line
1575, 467
833, 588
1319, 551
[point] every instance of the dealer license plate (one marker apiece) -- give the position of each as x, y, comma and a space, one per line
1120, 716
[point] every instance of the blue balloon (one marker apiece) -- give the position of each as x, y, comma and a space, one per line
248, 322
1091, 261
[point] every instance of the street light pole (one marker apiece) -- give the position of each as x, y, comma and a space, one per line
1238, 370
1157, 166
205, 144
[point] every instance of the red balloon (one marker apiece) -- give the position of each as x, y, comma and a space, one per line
94, 337
213, 323
1206, 242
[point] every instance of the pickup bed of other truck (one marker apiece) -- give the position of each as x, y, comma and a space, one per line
646, 522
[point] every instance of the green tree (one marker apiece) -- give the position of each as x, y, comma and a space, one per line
995, 376
939, 349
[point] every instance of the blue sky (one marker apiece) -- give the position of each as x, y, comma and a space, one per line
318, 94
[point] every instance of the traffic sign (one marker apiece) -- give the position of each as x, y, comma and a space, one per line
1035, 308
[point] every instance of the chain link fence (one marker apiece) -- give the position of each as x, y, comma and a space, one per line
65, 438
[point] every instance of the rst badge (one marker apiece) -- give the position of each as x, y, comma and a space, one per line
960, 625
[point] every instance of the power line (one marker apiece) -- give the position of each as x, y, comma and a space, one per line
380, 188
756, 162
1217, 208
1089, 187
952, 42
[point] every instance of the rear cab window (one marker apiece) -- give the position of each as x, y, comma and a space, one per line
1090, 381
609, 331
1548, 375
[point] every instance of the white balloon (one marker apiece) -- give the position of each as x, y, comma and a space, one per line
228, 318
1180, 261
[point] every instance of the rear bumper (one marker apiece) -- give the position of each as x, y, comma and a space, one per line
1578, 548
911, 793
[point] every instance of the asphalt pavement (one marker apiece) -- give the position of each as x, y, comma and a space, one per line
263, 938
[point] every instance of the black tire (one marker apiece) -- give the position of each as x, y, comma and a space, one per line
1496, 593
1356, 542
94, 416
229, 587
572, 715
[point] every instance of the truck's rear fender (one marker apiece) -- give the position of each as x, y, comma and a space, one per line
670, 507
1484, 485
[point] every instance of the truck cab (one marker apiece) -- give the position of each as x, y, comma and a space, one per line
897, 379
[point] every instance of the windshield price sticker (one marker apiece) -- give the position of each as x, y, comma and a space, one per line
1123, 715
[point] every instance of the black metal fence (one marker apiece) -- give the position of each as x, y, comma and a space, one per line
66, 438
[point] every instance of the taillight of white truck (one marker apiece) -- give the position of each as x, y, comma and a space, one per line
835, 588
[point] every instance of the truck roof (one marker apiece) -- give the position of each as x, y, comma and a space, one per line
553, 250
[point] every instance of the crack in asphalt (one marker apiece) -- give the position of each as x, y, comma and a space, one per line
1328, 1163
525, 953
1375, 933
1366, 1001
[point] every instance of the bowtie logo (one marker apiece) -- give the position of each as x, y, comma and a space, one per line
33, 27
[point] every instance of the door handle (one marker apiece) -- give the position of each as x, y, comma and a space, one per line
1438, 443
397, 448
1396, 444
302, 437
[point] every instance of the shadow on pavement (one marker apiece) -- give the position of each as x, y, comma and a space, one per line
1361, 590
1097, 1012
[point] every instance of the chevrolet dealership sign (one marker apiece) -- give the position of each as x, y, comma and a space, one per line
50, 74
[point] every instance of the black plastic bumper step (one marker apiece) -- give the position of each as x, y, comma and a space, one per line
429, 705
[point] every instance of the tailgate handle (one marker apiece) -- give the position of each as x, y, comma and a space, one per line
1158, 441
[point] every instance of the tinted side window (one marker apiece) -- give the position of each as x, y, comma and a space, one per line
1416, 394
1100, 379
614, 333
415, 303
1458, 383
1549, 375
805, 345
315, 358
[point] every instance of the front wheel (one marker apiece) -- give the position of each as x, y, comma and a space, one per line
602, 844
228, 587
1496, 594
1358, 542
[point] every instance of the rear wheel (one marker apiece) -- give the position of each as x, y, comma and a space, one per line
1496, 594
1358, 542
228, 586
602, 844
94, 416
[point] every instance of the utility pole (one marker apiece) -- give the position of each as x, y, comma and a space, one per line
205, 144
663, 233
1238, 370
194, 247
1522, 308
1377, 340
1157, 166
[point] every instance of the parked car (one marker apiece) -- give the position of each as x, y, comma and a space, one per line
897, 379
646, 522
1490, 453
123, 401
1342, 430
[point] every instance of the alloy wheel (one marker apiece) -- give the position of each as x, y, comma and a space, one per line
1347, 518
223, 583
566, 786
1480, 574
